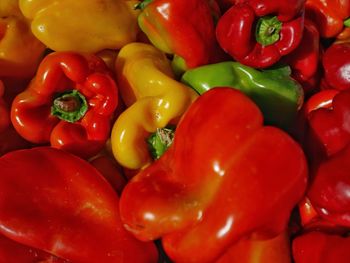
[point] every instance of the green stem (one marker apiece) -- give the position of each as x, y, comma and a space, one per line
142, 4
347, 22
159, 141
268, 30
69, 106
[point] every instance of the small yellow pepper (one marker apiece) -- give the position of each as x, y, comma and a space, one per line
154, 99
82, 26
20, 50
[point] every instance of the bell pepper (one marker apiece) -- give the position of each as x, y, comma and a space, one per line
225, 177
82, 26
318, 247
329, 123
305, 59
336, 65
277, 25
328, 147
278, 96
71, 213
184, 28
251, 250
328, 15
68, 104
154, 99
20, 51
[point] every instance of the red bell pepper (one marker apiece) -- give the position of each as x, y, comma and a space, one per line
328, 15
305, 59
278, 28
329, 188
184, 28
56, 202
225, 177
329, 124
327, 142
336, 65
318, 247
69, 104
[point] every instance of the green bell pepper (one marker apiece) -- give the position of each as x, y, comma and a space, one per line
278, 96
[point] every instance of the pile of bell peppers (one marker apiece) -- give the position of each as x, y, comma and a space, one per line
160, 131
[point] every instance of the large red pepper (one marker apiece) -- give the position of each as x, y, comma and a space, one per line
184, 28
336, 65
278, 28
328, 15
69, 104
54, 201
318, 247
224, 177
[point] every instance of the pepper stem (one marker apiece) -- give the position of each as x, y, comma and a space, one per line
268, 30
142, 4
69, 106
159, 141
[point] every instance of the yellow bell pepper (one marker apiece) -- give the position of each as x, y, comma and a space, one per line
154, 99
82, 26
20, 50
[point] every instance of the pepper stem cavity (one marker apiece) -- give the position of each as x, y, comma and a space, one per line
159, 141
268, 30
69, 106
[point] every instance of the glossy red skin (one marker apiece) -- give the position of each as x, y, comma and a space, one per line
328, 192
13, 252
225, 176
318, 247
336, 65
63, 206
327, 143
185, 26
235, 31
328, 15
60, 71
305, 59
